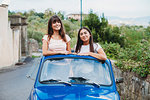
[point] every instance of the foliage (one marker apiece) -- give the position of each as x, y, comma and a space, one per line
93, 23
33, 56
11, 12
61, 15
35, 35
135, 58
102, 31
133, 32
111, 49
71, 28
48, 13
73, 42
147, 33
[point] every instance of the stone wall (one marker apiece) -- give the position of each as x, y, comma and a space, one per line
133, 87
19, 22
34, 46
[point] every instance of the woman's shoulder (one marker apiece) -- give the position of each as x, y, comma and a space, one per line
45, 37
67, 37
97, 46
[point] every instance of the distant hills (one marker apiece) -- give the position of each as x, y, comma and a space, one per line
144, 21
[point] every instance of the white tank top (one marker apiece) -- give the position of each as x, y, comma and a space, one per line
56, 45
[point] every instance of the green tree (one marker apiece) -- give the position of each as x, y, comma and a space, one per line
61, 15
93, 23
11, 12
103, 29
48, 13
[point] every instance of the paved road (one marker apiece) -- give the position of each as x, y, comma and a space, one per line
14, 85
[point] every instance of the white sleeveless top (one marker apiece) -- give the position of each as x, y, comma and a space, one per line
56, 45
86, 48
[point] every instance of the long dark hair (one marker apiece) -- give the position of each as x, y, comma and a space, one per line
80, 42
52, 20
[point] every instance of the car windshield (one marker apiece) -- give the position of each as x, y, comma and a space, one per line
75, 70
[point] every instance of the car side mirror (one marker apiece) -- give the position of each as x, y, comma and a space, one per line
28, 76
119, 80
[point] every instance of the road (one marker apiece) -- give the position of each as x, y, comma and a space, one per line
14, 85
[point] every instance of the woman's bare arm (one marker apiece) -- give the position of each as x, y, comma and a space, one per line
68, 47
100, 55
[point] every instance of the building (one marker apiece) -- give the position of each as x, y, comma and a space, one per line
76, 16
13, 38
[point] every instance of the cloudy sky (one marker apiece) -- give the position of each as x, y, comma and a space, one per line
119, 8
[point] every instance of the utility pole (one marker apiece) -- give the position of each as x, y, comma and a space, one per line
81, 14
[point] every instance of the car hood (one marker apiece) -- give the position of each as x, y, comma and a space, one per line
74, 93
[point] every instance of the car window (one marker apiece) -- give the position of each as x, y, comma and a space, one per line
62, 69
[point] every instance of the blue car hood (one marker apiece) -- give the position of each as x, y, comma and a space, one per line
74, 93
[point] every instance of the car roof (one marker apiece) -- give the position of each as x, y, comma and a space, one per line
70, 56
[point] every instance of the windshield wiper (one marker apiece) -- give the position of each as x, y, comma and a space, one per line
94, 84
55, 81
66, 83
50, 80
78, 79
83, 80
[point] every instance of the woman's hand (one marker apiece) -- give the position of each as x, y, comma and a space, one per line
85, 54
100, 55
63, 52
74, 53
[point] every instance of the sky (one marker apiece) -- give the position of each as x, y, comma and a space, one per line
118, 8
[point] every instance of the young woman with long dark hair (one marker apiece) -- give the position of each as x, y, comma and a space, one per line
85, 45
56, 41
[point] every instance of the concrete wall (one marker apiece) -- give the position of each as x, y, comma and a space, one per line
13, 38
6, 55
19, 23
16, 45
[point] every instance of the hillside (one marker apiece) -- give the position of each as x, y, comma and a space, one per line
144, 21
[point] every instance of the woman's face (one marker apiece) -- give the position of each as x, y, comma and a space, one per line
84, 35
56, 25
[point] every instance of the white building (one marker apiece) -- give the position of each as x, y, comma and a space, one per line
76, 16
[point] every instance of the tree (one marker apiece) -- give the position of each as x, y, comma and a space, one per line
48, 13
93, 23
61, 15
31, 12
101, 30
103, 34
11, 12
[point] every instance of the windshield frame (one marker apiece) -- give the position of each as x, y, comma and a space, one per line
101, 61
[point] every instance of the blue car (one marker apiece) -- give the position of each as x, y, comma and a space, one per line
74, 77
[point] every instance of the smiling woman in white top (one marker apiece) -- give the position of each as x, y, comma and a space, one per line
85, 45
56, 41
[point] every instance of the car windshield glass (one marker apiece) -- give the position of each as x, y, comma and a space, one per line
76, 70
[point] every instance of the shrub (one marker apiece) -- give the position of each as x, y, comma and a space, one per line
136, 58
112, 50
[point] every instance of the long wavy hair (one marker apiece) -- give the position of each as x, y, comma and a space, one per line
80, 42
52, 20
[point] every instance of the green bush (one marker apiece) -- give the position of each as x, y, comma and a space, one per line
111, 49
136, 58
71, 28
